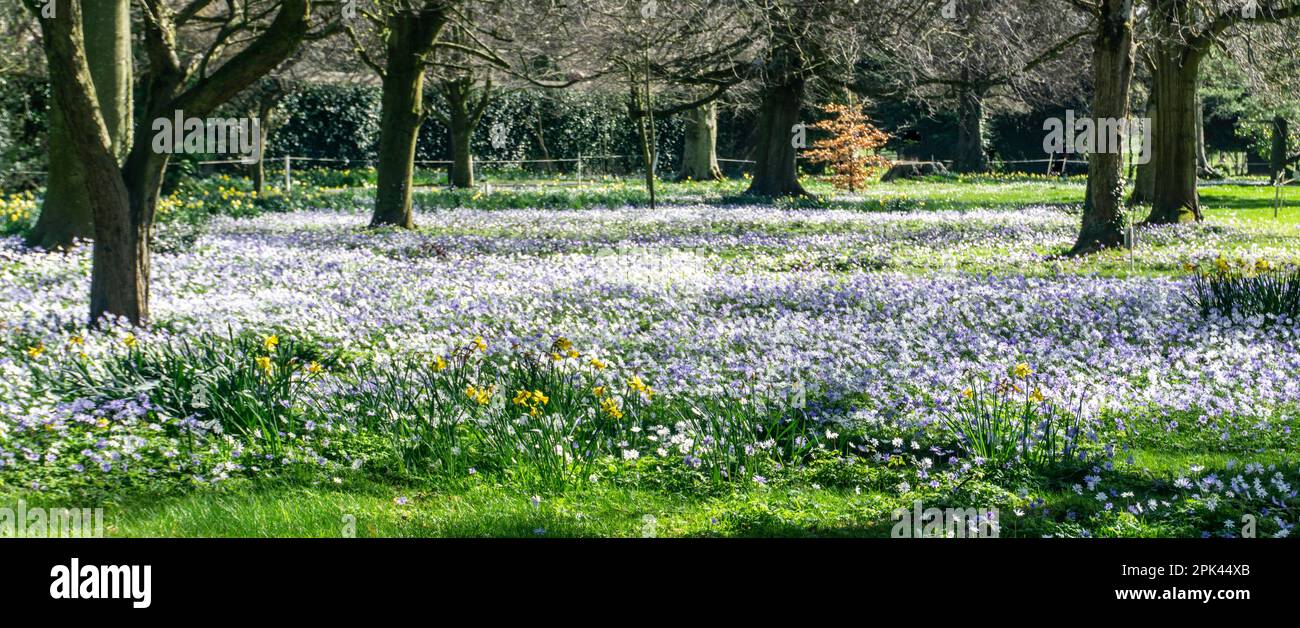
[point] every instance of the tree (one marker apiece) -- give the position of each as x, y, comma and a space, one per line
65, 211
669, 59
976, 56
124, 198
700, 149
1183, 32
413, 37
1254, 80
408, 32
1112, 68
464, 68
850, 147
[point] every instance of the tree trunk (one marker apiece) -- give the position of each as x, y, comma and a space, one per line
65, 212
700, 152
1203, 167
411, 38
462, 157
119, 275
257, 169
970, 132
123, 199
463, 116
1174, 196
648, 148
1278, 155
1144, 188
399, 126
1112, 61
539, 130
775, 169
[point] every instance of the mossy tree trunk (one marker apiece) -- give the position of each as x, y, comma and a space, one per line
1112, 61
124, 198
65, 211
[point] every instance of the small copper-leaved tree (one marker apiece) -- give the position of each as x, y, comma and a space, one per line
850, 149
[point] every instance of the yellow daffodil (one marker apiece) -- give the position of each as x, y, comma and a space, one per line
439, 363
314, 368
481, 396
264, 363
597, 364
76, 340
1022, 370
968, 393
129, 340
599, 391
479, 343
270, 342
610, 408
1036, 396
36, 350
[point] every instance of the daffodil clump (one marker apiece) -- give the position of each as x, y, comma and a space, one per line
17, 212
116, 407
1251, 289
1008, 420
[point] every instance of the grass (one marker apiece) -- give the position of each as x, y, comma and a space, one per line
484, 510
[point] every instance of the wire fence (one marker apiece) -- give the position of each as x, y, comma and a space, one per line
597, 166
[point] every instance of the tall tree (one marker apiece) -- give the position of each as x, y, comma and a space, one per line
1183, 32
669, 58
700, 149
1255, 81
65, 211
1112, 67
787, 65
124, 199
410, 35
976, 57
464, 65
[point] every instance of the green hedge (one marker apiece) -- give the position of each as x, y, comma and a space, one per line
342, 122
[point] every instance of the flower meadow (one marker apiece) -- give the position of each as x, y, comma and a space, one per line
693, 350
